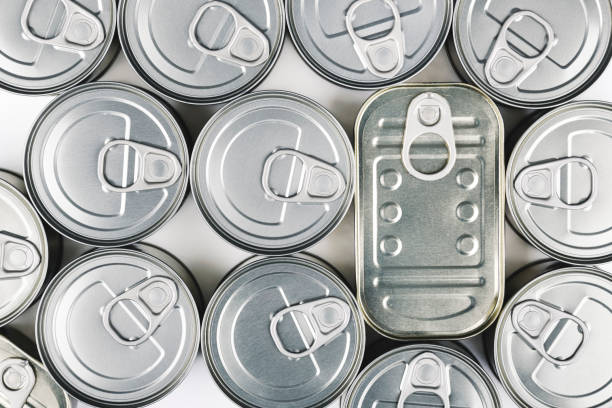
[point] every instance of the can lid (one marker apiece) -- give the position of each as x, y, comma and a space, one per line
533, 54
422, 375
273, 172
49, 46
283, 331
368, 44
551, 333
557, 183
106, 164
135, 308
202, 52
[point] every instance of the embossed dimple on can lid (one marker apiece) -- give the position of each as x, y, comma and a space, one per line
203, 51
106, 164
272, 172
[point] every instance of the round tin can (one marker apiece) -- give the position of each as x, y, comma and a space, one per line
532, 54
203, 51
106, 164
422, 375
367, 44
552, 344
283, 331
133, 306
50, 46
557, 190
273, 172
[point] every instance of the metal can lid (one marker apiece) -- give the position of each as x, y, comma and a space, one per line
556, 183
367, 44
552, 344
202, 52
273, 172
283, 331
50, 46
132, 306
106, 164
422, 375
533, 54
23, 253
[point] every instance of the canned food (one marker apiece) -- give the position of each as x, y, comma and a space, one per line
368, 44
557, 197
552, 344
106, 164
283, 331
533, 54
137, 309
430, 257
422, 375
203, 51
273, 172
25, 382
50, 46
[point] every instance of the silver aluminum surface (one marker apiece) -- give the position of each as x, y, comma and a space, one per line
118, 328
552, 344
533, 54
273, 172
429, 232
283, 331
106, 164
203, 51
423, 375
368, 44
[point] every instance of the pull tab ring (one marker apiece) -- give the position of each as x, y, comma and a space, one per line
425, 374
17, 381
18, 256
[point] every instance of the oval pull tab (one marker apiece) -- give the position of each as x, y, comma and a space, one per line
156, 297
426, 374
537, 184
383, 57
248, 46
81, 29
326, 318
17, 381
318, 182
154, 168
18, 256
507, 68
536, 322
429, 113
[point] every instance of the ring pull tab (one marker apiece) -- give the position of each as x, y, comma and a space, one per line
429, 113
154, 168
17, 381
536, 322
319, 182
248, 46
537, 184
19, 257
326, 319
426, 374
507, 68
81, 29
383, 57
156, 297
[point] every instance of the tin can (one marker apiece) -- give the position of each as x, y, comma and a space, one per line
429, 194
557, 197
552, 343
422, 375
273, 172
50, 46
367, 44
204, 51
283, 331
532, 54
137, 309
106, 164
